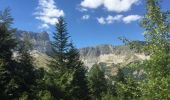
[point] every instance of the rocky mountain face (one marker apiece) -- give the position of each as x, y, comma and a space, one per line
40, 41
110, 55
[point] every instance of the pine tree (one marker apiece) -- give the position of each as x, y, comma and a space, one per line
60, 46
16, 77
60, 78
97, 82
8, 83
79, 88
5, 17
66, 67
26, 70
7, 43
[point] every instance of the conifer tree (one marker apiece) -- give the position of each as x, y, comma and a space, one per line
8, 83
6, 18
16, 77
66, 67
60, 45
79, 87
60, 78
7, 43
26, 70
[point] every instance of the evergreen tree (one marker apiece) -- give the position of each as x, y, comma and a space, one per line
7, 43
26, 70
67, 69
79, 86
60, 46
60, 77
8, 83
97, 82
16, 77
5, 17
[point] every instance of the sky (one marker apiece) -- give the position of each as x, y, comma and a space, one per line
89, 22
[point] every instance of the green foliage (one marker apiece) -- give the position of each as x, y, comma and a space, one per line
156, 89
108, 96
79, 82
127, 88
5, 17
17, 77
26, 70
24, 96
8, 77
7, 43
45, 95
68, 72
156, 25
60, 46
97, 82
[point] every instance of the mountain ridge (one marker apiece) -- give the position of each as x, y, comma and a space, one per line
105, 54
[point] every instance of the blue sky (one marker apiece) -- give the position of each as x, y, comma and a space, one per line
90, 22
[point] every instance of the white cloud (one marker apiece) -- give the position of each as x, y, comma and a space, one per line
44, 26
111, 19
48, 13
85, 17
130, 18
91, 3
110, 5
119, 5
101, 20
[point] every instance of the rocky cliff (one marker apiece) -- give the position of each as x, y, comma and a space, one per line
40, 41
110, 55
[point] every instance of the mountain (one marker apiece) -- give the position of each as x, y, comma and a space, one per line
108, 56
40, 41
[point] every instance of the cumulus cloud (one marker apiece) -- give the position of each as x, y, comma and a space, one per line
101, 20
44, 26
85, 17
111, 19
91, 3
110, 5
48, 13
130, 18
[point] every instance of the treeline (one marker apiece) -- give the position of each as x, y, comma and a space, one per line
68, 79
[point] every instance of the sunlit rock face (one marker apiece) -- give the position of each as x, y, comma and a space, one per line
109, 55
